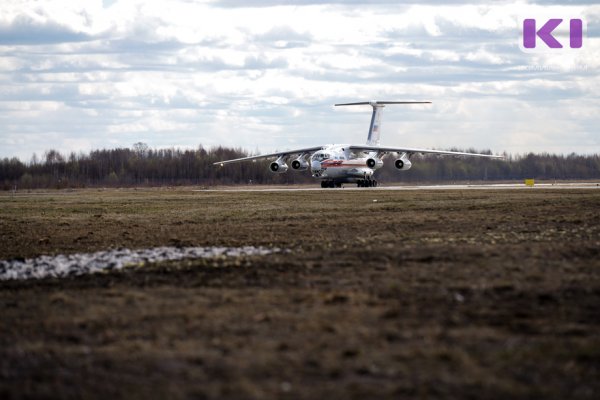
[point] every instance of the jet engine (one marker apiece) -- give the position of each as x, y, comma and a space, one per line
300, 164
374, 163
403, 163
279, 166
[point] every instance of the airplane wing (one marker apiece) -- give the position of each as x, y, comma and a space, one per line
413, 150
270, 155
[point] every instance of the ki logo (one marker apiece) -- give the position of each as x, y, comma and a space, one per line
530, 34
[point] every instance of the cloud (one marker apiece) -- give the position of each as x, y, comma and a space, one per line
284, 37
259, 73
272, 3
25, 30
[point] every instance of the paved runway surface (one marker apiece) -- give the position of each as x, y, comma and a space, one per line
499, 186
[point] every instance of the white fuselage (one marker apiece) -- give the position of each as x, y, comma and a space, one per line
337, 162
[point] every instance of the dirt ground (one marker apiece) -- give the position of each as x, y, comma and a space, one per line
384, 294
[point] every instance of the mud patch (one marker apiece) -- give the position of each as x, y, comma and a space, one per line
88, 263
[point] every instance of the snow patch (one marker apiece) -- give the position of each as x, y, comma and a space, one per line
88, 263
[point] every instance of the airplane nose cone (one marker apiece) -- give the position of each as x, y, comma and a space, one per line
315, 165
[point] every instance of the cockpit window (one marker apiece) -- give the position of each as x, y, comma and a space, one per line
321, 156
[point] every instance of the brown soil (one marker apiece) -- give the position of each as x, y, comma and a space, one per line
420, 294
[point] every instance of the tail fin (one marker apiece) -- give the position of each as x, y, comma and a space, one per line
374, 127
373, 137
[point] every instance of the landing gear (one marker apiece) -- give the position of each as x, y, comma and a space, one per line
366, 183
330, 184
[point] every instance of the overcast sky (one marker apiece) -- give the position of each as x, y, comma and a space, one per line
76, 76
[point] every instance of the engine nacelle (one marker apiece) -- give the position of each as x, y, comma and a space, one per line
374, 163
278, 167
300, 164
403, 164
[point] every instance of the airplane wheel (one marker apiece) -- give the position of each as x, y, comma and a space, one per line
323, 184
374, 183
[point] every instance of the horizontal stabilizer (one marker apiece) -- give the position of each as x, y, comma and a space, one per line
375, 103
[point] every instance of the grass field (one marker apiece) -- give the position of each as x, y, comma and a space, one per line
384, 294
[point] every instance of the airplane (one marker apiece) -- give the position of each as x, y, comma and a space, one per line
335, 164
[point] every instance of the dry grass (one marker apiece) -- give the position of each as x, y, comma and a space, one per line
420, 294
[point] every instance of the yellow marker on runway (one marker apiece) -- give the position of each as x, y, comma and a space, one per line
529, 182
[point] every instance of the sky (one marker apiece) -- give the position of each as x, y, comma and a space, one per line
263, 75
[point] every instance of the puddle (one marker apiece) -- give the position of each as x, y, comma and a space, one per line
110, 260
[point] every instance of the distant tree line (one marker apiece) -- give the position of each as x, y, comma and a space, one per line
544, 166
142, 166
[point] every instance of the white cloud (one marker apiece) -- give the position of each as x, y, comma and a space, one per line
485, 56
180, 73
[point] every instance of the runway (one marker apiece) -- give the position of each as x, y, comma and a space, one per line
350, 187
